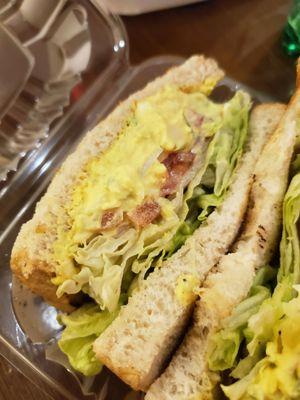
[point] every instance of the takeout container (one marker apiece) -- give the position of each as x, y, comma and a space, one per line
28, 326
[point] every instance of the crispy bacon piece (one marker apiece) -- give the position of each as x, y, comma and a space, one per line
144, 214
111, 218
177, 165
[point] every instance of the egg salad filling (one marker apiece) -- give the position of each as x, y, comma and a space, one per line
258, 347
138, 201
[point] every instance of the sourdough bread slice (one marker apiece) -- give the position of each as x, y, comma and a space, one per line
187, 376
138, 342
32, 258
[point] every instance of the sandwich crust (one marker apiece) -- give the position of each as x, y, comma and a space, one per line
32, 259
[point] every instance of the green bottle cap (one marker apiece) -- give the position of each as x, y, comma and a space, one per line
291, 33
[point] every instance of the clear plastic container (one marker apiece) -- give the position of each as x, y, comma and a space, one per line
28, 326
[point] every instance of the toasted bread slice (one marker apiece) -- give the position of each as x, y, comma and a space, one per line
32, 258
187, 376
136, 345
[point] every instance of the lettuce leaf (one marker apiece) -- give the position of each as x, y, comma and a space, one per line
227, 145
222, 156
261, 324
225, 344
82, 327
277, 375
290, 244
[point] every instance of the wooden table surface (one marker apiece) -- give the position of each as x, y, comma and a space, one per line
243, 35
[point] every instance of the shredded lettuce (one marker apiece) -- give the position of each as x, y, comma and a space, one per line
225, 344
82, 327
107, 259
277, 374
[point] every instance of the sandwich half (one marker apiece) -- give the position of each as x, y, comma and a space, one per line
42, 256
256, 352
139, 341
238, 335
160, 184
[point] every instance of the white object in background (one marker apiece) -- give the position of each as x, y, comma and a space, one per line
134, 7
71, 33
15, 67
60, 57
33, 19
67, 49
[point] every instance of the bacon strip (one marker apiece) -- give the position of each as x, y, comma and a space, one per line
144, 214
177, 165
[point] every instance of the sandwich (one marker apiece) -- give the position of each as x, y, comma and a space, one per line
136, 217
244, 339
